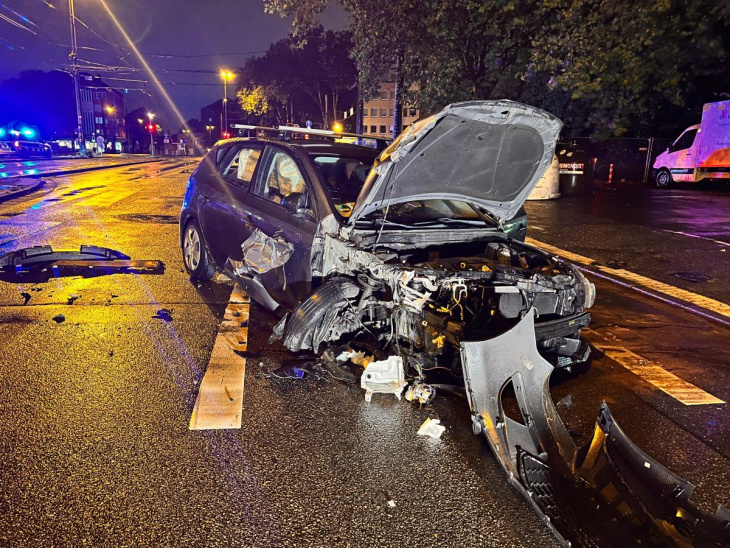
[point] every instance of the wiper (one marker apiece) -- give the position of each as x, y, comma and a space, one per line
450, 221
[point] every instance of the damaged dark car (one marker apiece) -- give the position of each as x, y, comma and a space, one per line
415, 261
411, 256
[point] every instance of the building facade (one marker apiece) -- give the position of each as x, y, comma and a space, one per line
102, 109
377, 114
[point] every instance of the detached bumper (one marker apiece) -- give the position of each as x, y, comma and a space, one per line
607, 493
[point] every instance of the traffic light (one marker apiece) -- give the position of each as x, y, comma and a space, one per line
151, 128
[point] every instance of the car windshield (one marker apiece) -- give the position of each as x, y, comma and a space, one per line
343, 177
428, 213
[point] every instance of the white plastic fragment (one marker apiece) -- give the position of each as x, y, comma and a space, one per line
431, 428
391, 503
386, 376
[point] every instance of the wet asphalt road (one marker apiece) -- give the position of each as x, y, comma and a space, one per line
11, 166
94, 411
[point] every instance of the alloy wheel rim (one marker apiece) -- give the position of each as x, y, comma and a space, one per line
191, 248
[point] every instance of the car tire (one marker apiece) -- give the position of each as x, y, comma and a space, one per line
663, 179
196, 256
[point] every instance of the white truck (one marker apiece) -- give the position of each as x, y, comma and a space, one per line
701, 152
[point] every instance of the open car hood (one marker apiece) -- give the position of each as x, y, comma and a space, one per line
488, 153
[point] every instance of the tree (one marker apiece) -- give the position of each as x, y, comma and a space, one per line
300, 79
606, 67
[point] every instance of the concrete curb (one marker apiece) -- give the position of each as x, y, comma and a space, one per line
39, 177
22, 191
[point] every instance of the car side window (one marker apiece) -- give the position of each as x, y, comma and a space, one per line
240, 165
284, 183
685, 141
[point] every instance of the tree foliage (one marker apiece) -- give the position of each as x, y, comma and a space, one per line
254, 100
607, 67
311, 77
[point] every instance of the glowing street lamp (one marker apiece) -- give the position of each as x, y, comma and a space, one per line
226, 75
110, 111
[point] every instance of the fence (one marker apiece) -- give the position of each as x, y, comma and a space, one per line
632, 157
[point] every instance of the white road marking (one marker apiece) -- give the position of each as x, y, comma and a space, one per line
667, 382
720, 242
669, 290
220, 397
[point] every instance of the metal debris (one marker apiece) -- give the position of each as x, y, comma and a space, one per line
420, 392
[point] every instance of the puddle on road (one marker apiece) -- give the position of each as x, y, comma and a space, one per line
696, 277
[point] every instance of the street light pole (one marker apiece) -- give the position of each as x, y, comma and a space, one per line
226, 75
75, 76
110, 110
152, 139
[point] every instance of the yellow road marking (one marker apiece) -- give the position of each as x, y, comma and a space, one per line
654, 374
659, 287
220, 397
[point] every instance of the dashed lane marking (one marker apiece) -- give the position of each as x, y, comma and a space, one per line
712, 305
654, 374
220, 397
719, 242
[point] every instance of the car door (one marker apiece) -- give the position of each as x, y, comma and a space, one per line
283, 199
225, 215
682, 156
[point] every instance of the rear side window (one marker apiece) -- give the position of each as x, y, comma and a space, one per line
240, 166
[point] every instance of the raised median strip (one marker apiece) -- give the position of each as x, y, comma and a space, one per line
675, 296
220, 397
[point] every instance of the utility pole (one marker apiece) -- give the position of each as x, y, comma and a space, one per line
75, 74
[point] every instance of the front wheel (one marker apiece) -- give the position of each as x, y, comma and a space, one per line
663, 179
196, 256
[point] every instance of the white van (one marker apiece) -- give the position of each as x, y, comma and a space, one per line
700, 152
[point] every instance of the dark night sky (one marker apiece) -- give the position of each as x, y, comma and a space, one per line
206, 29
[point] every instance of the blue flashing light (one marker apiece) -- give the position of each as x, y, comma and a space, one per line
3, 174
31, 171
28, 132
2, 131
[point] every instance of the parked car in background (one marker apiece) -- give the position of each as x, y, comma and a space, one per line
23, 142
701, 152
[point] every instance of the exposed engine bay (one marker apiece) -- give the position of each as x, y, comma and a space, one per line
424, 301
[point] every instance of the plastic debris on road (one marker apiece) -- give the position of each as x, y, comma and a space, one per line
163, 314
431, 428
385, 376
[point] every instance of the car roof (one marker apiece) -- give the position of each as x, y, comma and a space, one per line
311, 146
